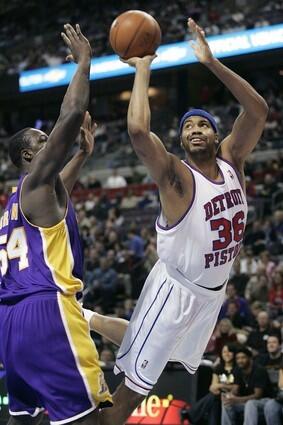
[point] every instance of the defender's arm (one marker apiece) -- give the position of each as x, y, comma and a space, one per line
50, 160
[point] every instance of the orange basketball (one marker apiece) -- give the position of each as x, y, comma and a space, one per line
134, 33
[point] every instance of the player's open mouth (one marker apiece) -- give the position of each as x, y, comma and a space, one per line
197, 141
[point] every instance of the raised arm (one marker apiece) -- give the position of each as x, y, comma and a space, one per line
50, 160
71, 171
250, 123
146, 144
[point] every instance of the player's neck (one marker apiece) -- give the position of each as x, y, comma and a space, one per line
26, 168
208, 167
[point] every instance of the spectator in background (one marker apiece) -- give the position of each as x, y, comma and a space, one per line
129, 200
115, 180
267, 263
255, 238
3, 195
105, 281
250, 188
223, 335
222, 380
239, 278
273, 409
257, 287
272, 360
231, 295
270, 186
276, 233
275, 295
248, 263
93, 182
234, 315
257, 339
107, 357
249, 393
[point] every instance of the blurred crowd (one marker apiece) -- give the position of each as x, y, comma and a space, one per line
41, 23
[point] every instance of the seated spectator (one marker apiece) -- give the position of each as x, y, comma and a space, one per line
272, 360
276, 233
107, 357
275, 295
129, 201
222, 380
234, 315
270, 186
248, 263
104, 285
257, 287
224, 334
239, 278
266, 262
115, 180
255, 238
250, 390
231, 295
93, 182
257, 339
273, 409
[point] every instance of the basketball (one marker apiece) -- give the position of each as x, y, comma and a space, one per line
134, 33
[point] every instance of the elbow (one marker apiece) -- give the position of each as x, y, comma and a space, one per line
137, 131
262, 109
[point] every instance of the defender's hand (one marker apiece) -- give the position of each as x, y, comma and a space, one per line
200, 45
87, 134
135, 61
77, 43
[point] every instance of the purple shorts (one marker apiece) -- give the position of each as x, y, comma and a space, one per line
50, 359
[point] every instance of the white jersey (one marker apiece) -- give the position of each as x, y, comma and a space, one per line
201, 247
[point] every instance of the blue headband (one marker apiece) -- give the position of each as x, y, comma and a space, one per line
198, 113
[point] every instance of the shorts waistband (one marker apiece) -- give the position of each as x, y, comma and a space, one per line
179, 276
28, 297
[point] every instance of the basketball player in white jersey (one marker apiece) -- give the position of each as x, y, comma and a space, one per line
200, 230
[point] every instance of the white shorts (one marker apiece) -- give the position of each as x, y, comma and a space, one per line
170, 322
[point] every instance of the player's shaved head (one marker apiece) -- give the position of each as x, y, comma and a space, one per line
17, 143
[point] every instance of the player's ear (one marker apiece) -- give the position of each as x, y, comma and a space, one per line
181, 143
216, 141
27, 155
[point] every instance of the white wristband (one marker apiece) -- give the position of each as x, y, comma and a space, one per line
88, 314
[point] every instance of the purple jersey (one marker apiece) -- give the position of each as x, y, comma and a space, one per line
38, 259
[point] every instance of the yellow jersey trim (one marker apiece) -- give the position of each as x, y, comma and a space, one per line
84, 350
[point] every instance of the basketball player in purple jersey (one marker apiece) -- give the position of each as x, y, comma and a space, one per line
199, 233
41, 266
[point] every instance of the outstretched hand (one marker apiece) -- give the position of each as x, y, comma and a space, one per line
77, 43
136, 61
87, 134
200, 45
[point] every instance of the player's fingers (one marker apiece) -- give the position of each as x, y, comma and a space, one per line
70, 58
88, 118
82, 132
70, 31
94, 127
85, 120
66, 39
78, 31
